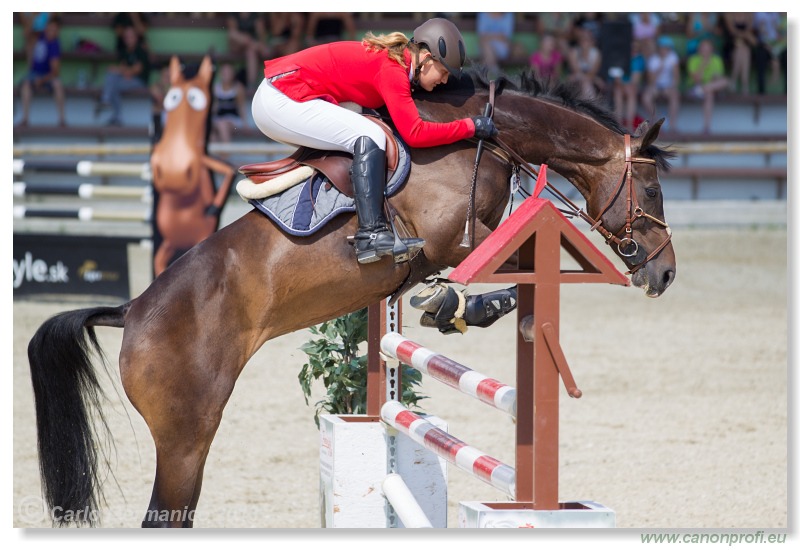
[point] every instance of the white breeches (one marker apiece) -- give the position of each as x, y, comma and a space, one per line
315, 123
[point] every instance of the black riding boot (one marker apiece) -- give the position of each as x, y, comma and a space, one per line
373, 239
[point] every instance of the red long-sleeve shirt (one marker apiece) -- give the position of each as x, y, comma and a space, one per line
348, 71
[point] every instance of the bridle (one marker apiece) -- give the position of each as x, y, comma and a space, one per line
626, 245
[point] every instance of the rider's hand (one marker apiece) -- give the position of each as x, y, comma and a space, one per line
484, 127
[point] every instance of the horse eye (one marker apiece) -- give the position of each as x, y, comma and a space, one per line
196, 98
651, 192
173, 98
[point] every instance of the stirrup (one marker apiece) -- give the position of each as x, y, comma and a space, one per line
401, 249
369, 250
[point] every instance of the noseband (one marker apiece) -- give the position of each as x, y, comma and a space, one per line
626, 245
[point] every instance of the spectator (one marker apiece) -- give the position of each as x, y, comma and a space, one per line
132, 71
546, 62
229, 103
44, 71
558, 24
584, 65
663, 81
740, 39
33, 25
646, 26
700, 26
286, 32
247, 35
323, 28
771, 42
136, 20
495, 31
627, 86
589, 21
707, 74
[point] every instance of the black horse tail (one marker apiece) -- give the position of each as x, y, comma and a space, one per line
67, 394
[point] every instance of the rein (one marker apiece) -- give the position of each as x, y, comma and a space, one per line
626, 245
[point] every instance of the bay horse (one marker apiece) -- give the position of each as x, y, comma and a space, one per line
189, 334
188, 207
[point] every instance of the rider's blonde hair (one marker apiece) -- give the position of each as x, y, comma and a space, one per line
395, 42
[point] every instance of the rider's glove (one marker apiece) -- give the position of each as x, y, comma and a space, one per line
484, 127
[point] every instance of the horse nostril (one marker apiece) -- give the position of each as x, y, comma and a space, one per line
669, 276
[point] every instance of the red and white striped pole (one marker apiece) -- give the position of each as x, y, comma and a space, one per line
453, 450
455, 375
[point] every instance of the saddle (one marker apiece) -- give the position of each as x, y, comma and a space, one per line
335, 165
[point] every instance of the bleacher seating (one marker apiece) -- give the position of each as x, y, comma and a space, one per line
742, 118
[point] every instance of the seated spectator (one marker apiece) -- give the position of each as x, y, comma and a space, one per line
627, 86
588, 21
646, 26
323, 27
707, 74
247, 36
740, 39
44, 70
136, 20
495, 31
33, 25
546, 62
584, 65
558, 24
700, 26
663, 81
771, 35
132, 71
229, 103
285, 32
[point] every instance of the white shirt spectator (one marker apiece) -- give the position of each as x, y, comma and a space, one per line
662, 68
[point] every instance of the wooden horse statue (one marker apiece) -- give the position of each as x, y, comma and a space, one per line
187, 206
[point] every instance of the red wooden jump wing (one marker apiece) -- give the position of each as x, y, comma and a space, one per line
531, 216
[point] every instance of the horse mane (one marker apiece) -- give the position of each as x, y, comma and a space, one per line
567, 94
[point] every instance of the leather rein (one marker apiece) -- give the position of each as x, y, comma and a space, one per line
626, 244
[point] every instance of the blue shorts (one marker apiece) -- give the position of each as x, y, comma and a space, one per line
32, 76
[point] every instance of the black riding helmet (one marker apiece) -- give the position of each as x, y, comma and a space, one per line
443, 39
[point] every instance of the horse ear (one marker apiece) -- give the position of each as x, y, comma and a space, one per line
650, 133
175, 72
206, 71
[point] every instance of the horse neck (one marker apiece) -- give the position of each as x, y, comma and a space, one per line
572, 144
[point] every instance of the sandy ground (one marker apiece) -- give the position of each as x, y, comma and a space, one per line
683, 421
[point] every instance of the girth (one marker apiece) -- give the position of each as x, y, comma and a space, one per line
335, 165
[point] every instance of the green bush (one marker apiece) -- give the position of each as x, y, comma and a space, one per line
334, 358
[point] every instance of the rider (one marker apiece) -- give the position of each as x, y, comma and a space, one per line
298, 104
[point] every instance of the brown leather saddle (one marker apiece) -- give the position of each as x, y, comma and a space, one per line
335, 165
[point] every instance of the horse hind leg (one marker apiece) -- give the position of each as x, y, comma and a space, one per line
179, 476
183, 411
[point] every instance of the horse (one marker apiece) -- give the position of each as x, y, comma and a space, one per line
187, 208
189, 334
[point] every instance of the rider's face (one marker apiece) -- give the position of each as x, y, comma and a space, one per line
432, 73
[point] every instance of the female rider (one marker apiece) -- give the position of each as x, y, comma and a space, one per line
298, 104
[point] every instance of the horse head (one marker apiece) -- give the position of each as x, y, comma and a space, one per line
617, 174
630, 211
176, 159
